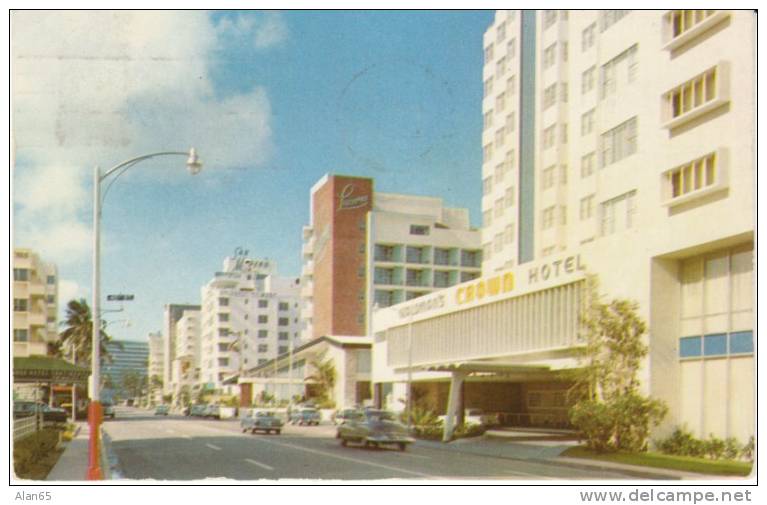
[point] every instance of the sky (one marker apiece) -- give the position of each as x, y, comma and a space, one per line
271, 101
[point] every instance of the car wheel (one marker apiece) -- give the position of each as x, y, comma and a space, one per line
402, 446
253, 431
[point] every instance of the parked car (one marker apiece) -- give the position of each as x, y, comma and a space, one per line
161, 410
341, 416
49, 414
198, 410
23, 409
261, 420
305, 417
213, 411
372, 428
54, 414
476, 416
108, 410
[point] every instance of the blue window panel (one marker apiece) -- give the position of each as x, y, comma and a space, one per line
742, 342
689, 347
715, 345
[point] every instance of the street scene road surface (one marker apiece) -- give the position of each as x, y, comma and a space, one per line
184, 449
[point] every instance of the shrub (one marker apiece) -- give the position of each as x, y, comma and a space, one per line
428, 432
747, 452
683, 443
469, 430
30, 450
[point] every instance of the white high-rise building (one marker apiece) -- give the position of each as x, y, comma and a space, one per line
186, 363
172, 313
616, 143
35, 303
249, 315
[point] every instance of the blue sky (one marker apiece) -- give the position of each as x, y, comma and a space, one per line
271, 100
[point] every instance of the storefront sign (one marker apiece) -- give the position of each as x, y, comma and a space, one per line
347, 200
426, 305
554, 269
485, 288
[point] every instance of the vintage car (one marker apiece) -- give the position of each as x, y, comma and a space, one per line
198, 410
340, 416
107, 410
161, 410
261, 420
374, 428
305, 417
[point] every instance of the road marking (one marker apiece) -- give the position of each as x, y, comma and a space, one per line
214, 447
267, 467
353, 460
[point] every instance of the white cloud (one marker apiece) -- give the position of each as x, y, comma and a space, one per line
98, 87
69, 290
264, 30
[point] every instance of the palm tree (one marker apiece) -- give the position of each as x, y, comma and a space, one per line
324, 375
79, 329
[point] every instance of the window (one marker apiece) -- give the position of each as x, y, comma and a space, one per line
549, 136
50, 299
417, 229
470, 258
697, 177
442, 256
384, 253
20, 335
500, 31
223, 332
223, 348
263, 333
283, 349
500, 172
511, 159
223, 362
587, 80
549, 18
610, 17
384, 298
263, 304
683, 26
263, 347
415, 278
20, 274
549, 96
587, 164
283, 306
223, 302
619, 72
416, 255
587, 123
693, 97
262, 319
511, 122
383, 276
487, 119
488, 88
684, 20
617, 214
500, 136
498, 242
500, 102
550, 56
487, 218
511, 85
587, 37
488, 54
587, 207
508, 234
509, 197
548, 177
619, 142
222, 318
498, 207
511, 48
500, 67
441, 279
547, 218
487, 185
282, 335
262, 361
487, 153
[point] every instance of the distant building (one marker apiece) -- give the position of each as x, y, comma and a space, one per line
172, 313
126, 356
249, 315
35, 303
185, 372
155, 367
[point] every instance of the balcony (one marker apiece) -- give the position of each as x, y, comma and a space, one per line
681, 27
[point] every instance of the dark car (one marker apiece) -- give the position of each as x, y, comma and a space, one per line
373, 428
261, 420
305, 417
161, 410
108, 410
198, 410
341, 416
49, 414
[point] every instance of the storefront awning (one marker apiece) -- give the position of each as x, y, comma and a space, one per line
48, 369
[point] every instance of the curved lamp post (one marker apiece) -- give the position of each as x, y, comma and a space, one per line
194, 165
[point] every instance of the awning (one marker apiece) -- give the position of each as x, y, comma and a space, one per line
48, 369
474, 367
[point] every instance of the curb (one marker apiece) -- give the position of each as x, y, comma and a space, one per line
109, 462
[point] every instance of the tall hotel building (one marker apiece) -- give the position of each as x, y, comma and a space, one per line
35, 304
249, 315
616, 143
172, 313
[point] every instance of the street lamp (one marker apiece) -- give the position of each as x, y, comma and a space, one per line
194, 165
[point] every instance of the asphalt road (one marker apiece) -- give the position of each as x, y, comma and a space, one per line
181, 449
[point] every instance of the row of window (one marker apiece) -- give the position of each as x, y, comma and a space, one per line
223, 317
25, 274
718, 344
419, 277
262, 304
423, 255
508, 200
500, 240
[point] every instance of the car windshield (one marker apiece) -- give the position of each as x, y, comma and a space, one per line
380, 415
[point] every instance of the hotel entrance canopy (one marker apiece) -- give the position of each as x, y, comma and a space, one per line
46, 369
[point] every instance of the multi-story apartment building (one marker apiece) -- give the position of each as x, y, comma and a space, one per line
171, 315
35, 303
185, 372
125, 357
620, 144
365, 249
155, 364
249, 315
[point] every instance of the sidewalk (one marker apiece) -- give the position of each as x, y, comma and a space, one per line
73, 463
549, 451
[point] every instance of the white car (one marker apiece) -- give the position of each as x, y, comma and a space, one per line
475, 416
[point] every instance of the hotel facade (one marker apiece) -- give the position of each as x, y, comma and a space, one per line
618, 144
35, 304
